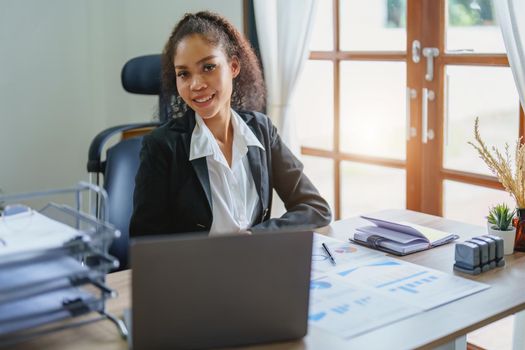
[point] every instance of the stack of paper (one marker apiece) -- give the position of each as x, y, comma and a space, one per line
30, 231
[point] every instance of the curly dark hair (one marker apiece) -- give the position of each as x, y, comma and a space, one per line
249, 92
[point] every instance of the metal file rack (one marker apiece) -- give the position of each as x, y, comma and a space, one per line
45, 289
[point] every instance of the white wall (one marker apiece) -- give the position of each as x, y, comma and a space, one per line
60, 63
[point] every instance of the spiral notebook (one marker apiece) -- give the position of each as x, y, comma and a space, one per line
400, 238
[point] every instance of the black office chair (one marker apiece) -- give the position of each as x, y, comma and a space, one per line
140, 75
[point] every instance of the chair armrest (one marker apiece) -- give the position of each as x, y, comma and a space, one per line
94, 165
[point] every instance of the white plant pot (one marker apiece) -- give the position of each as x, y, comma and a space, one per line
507, 236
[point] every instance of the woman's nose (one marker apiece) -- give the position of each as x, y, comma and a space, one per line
197, 83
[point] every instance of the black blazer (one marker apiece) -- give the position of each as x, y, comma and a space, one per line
173, 194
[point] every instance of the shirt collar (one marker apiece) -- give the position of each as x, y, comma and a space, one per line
243, 131
200, 144
202, 140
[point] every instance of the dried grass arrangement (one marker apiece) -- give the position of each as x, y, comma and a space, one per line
510, 173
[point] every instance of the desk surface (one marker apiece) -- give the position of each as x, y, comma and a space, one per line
428, 329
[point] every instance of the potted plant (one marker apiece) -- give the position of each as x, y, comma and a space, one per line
509, 168
500, 224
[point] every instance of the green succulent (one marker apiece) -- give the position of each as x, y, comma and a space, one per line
500, 217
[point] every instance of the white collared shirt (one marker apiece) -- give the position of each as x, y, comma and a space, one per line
235, 201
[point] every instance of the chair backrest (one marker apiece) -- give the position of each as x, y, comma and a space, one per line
140, 75
122, 162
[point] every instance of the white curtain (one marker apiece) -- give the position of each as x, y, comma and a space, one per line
283, 29
511, 18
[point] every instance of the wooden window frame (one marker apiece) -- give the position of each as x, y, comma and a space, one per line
424, 183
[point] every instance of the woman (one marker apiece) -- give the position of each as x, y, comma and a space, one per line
214, 167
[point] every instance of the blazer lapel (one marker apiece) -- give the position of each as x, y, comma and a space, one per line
199, 164
258, 166
201, 169
255, 159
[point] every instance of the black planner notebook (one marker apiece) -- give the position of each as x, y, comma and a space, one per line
400, 238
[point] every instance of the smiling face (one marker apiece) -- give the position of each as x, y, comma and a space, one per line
204, 76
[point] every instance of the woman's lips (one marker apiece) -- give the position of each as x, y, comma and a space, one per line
203, 101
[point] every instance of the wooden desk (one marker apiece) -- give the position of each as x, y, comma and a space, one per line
429, 329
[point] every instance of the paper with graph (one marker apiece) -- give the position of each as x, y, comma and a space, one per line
367, 289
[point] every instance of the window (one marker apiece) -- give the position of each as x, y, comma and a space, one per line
361, 106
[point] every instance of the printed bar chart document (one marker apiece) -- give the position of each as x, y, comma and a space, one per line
367, 289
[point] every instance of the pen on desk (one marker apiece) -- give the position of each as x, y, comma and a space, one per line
325, 247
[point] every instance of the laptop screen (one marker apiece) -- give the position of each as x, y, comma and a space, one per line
195, 291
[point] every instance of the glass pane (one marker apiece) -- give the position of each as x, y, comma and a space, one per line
313, 105
322, 32
380, 25
366, 188
321, 172
373, 108
485, 92
470, 203
472, 26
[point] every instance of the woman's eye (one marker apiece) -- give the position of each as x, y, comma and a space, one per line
209, 67
182, 74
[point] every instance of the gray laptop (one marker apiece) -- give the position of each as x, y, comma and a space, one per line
191, 292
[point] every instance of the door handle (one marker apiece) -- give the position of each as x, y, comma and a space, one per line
430, 53
416, 51
410, 131
446, 121
426, 133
